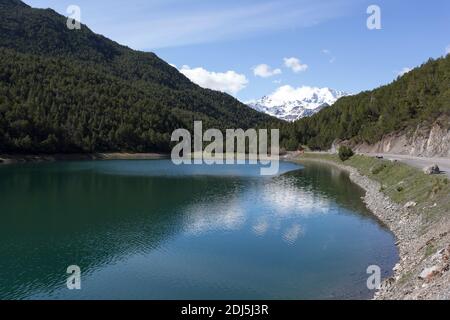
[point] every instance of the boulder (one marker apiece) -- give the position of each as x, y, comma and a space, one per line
397, 268
428, 273
434, 169
410, 204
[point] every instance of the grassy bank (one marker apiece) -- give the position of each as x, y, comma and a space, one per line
416, 208
401, 183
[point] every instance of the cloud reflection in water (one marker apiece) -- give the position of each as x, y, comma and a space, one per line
278, 206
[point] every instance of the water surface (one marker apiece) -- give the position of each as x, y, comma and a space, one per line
152, 230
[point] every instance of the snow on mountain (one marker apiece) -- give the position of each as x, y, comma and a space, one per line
290, 104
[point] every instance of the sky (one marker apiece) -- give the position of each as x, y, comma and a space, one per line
251, 48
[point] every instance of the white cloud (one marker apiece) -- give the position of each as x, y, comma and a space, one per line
265, 71
230, 81
404, 71
295, 64
447, 50
278, 81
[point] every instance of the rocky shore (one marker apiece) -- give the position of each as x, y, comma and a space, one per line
423, 269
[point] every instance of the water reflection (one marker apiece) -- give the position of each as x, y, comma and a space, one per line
300, 194
161, 235
261, 227
211, 216
264, 205
292, 233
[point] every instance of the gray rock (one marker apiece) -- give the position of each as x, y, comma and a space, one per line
387, 283
410, 204
428, 272
434, 169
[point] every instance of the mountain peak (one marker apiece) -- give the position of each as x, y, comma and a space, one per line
290, 104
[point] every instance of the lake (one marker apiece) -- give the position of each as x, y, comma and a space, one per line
151, 230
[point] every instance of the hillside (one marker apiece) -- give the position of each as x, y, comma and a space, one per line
68, 91
421, 97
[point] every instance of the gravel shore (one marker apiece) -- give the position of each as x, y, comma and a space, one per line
423, 269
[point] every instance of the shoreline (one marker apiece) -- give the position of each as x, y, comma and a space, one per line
37, 158
422, 271
407, 282
29, 158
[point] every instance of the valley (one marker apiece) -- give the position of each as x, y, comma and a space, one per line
146, 175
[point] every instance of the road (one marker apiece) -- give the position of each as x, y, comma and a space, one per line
418, 162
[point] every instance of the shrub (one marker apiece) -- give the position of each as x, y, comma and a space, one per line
378, 168
436, 186
345, 153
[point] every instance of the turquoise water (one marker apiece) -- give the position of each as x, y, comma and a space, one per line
152, 230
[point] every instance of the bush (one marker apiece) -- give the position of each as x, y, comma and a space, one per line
378, 168
345, 153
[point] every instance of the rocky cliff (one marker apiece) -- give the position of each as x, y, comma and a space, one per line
431, 141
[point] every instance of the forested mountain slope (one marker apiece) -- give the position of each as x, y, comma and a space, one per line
65, 90
418, 98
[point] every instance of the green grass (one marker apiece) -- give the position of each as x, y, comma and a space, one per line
402, 183
406, 277
430, 250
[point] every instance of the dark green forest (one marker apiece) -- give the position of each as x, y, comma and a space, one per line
71, 91
421, 96
68, 91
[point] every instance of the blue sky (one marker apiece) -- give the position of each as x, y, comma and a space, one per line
220, 43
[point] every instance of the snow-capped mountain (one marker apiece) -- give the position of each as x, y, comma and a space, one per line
290, 104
